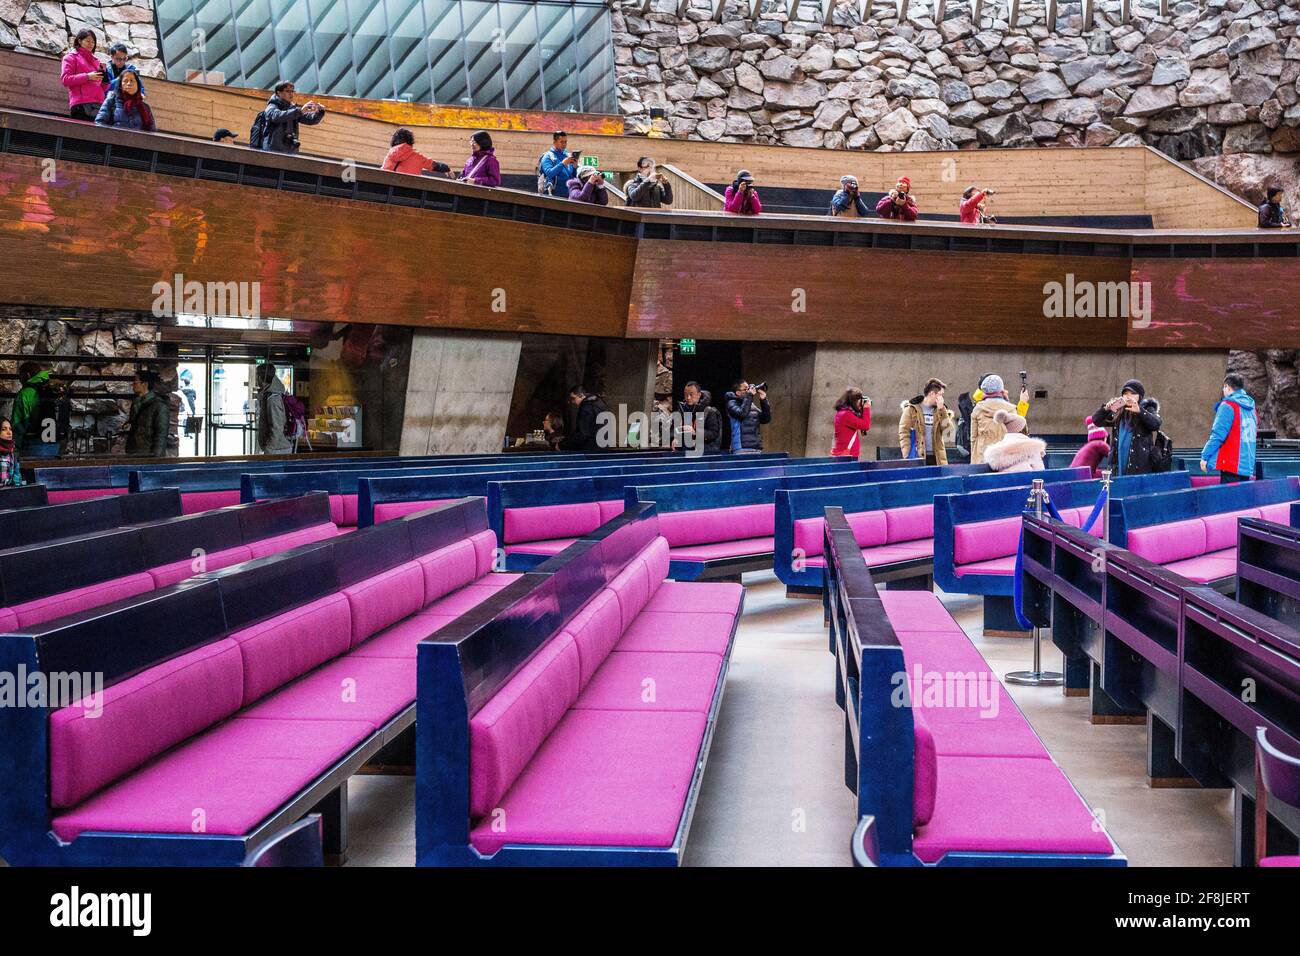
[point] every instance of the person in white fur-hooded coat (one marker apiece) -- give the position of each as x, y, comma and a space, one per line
1016, 451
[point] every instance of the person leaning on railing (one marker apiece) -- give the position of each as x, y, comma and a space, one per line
898, 203
589, 186
403, 157
741, 197
482, 168
1272, 214
125, 106
848, 201
649, 188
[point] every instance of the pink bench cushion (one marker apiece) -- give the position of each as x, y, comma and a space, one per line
8, 619
679, 631
548, 548
388, 510
610, 509
226, 781
1280, 861
169, 574
981, 540
1002, 566
910, 523
603, 778
710, 525
632, 588
1173, 541
343, 510
1207, 567
458, 602
1221, 529
141, 717
925, 771
82, 494
403, 639
292, 539
595, 630
870, 528
485, 552
739, 548
192, 502
1007, 804
898, 553
657, 560
542, 522
448, 569
722, 597
965, 726
653, 680
385, 599
288, 645
81, 599
1279, 513
916, 611
370, 689
507, 731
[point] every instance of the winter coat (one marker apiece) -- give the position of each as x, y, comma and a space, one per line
648, 193
25, 403
911, 429
482, 168
844, 204
582, 437
112, 74
742, 204
77, 65
970, 208
985, 430
1272, 216
1016, 452
114, 112
712, 429
886, 209
1231, 447
1144, 423
271, 416
150, 423
405, 158
282, 122
746, 417
1091, 456
11, 475
592, 191
849, 426
555, 172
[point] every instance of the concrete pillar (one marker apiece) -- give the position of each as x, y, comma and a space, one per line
458, 392
629, 378
788, 371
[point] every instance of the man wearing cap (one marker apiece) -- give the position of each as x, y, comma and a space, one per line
741, 198
985, 429
589, 186
898, 202
1134, 421
224, 136
848, 201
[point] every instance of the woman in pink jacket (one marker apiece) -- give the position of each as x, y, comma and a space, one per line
83, 75
852, 420
403, 157
741, 197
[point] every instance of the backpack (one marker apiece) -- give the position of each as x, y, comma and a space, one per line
295, 418
257, 131
1162, 452
544, 186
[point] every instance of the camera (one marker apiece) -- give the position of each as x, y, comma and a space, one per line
760, 385
1024, 378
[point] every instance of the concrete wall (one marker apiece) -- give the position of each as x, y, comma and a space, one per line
788, 371
458, 392
1185, 383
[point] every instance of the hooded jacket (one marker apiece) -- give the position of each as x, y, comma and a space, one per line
645, 193
282, 122
712, 430
1143, 423
482, 168
582, 437
985, 430
911, 431
1016, 452
271, 417
886, 209
125, 112
849, 426
24, 404
592, 191
1231, 447
969, 210
741, 203
746, 417
78, 64
150, 423
405, 158
844, 203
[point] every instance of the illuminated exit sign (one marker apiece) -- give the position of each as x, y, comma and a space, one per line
686, 346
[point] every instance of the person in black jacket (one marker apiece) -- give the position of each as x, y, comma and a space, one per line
705, 436
281, 120
150, 420
1133, 420
747, 415
648, 189
587, 409
1272, 215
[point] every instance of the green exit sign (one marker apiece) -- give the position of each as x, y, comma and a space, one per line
590, 161
686, 346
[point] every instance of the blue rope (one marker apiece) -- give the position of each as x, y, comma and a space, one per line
1018, 588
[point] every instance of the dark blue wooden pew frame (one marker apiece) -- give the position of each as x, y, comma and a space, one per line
24, 496
468, 661
45, 523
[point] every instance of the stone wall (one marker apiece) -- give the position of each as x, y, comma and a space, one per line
1216, 77
48, 26
124, 337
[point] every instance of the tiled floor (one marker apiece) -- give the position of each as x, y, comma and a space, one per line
774, 793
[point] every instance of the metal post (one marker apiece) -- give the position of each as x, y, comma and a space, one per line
1105, 509
1037, 677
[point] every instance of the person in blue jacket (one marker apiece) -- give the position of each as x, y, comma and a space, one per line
1231, 448
557, 166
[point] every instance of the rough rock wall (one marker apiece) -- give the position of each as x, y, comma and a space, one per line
48, 26
1215, 77
1273, 379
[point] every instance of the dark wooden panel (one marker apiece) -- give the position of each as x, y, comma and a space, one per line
1220, 303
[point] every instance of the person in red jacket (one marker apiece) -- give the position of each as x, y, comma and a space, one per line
83, 75
972, 204
403, 157
898, 202
852, 420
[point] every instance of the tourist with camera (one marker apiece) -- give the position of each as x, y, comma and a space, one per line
852, 421
1272, 214
275, 129
898, 203
747, 409
923, 423
1134, 422
973, 210
649, 188
848, 201
741, 198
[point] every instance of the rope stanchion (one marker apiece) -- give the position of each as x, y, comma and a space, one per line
1035, 677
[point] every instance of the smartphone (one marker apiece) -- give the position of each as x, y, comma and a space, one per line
576, 154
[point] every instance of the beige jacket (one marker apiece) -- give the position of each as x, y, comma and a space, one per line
984, 430
913, 421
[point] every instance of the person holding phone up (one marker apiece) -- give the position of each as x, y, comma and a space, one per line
1134, 421
83, 76
741, 198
